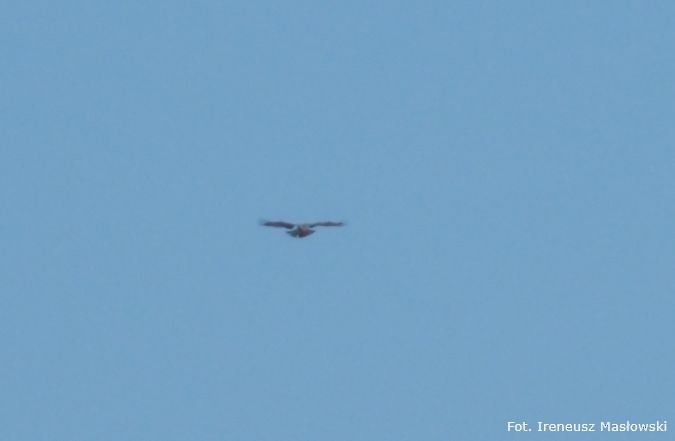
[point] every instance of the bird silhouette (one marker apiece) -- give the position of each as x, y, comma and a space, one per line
300, 230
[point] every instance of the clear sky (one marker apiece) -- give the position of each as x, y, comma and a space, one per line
506, 169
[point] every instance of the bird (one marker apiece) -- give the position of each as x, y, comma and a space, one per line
300, 230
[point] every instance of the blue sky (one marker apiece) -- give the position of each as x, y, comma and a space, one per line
506, 170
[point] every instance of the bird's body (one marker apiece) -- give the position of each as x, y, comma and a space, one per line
300, 230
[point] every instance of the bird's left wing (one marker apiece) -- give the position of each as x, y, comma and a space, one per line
281, 224
326, 224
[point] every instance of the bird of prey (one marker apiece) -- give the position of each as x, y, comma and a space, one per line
300, 230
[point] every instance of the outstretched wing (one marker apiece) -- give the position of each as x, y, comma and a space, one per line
281, 224
326, 224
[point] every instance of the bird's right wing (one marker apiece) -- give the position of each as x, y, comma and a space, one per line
281, 224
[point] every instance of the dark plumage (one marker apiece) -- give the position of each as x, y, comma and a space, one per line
300, 230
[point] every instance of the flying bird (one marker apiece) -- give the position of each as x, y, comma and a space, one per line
300, 230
